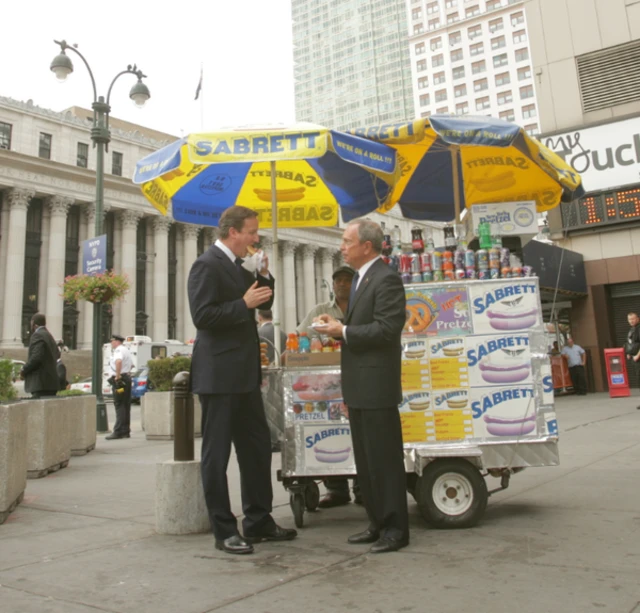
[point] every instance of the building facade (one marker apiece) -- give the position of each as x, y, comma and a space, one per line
47, 192
351, 62
472, 57
586, 59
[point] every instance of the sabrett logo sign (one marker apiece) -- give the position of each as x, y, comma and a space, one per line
480, 407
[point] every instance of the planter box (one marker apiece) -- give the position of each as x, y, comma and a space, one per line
49, 435
13, 456
157, 411
83, 423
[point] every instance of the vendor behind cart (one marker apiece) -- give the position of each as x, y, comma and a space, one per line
337, 487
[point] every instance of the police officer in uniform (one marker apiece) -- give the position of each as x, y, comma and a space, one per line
120, 366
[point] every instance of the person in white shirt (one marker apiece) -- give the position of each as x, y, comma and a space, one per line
576, 359
120, 366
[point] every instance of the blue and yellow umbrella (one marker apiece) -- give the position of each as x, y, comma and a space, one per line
448, 163
302, 175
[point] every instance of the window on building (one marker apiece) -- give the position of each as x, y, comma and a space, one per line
532, 129
421, 65
524, 73
423, 82
459, 91
418, 29
474, 32
443, 110
420, 49
482, 103
508, 115
462, 108
522, 54
500, 60
517, 19
438, 78
519, 37
526, 92
5, 135
455, 38
478, 67
480, 85
457, 55
492, 5
433, 8
495, 25
437, 60
503, 79
505, 98
425, 114
529, 111
458, 73
441, 95
498, 42
416, 13
452, 18
116, 164
424, 99
450, 4
472, 11
436, 44
44, 146
433, 24
82, 156
477, 49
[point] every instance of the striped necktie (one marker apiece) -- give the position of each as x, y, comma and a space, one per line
354, 286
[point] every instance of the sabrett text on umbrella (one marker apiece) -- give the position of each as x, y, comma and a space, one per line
308, 180
297, 213
518, 162
276, 143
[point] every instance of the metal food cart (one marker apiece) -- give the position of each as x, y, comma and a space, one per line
478, 402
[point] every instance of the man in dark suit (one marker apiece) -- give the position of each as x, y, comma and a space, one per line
39, 373
266, 331
371, 386
226, 373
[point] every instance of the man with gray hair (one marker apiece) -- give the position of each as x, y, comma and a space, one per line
371, 360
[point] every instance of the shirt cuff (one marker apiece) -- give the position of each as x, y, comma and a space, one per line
344, 333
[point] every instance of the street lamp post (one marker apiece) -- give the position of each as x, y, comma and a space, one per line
62, 67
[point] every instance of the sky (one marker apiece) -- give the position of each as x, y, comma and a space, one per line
244, 48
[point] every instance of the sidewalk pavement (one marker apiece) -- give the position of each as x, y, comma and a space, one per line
560, 539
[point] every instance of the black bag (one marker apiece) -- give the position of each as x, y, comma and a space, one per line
633, 341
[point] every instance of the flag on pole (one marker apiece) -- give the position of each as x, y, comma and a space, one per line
199, 85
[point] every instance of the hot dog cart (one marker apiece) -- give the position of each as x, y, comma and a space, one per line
477, 401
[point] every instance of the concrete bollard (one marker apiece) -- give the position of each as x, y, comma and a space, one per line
180, 504
13, 456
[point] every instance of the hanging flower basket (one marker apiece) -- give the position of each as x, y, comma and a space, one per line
103, 288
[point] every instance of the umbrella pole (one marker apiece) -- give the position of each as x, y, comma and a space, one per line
455, 165
274, 264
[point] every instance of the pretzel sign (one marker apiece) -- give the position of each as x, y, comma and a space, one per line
418, 317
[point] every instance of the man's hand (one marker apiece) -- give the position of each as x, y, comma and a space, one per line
636, 358
332, 327
255, 295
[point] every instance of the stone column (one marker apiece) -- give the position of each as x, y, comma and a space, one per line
116, 324
43, 268
58, 207
129, 257
17, 199
288, 282
309, 276
4, 239
148, 279
326, 261
161, 227
180, 283
190, 255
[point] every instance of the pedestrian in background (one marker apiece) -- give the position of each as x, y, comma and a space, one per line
576, 360
266, 331
61, 369
39, 373
632, 346
120, 366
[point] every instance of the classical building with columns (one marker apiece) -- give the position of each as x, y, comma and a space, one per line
47, 189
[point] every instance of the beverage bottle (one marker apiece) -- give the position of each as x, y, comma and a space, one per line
417, 243
396, 249
448, 271
449, 238
406, 265
482, 255
316, 345
436, 265
292, 343
494, 257
304, 345
386, 245
428, 239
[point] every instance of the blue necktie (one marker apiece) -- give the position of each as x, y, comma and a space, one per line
354, 285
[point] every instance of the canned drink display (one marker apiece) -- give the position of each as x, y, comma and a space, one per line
427, 276
483, 275
460, 274
425, 262
405, 262
394, 263
469, 258
494, 258
406, 277
470, 272
416, 263
458, 259
438, 275
416, 277
494, 273
516, 271
436, 261
482, 259
505, 257
527, 271
449, 275
447, 260
505, 272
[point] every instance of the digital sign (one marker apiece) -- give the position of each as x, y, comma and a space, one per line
605, 208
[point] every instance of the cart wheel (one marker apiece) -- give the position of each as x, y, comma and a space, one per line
451, 494
312, 496
297, 506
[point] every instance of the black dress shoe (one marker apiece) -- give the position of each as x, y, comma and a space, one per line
333, 500
234, 544
368, 536
276, 534
385, 544
115, 435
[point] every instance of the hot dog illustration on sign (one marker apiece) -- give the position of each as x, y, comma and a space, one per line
504, 412
504, 359
328, 445
505, 307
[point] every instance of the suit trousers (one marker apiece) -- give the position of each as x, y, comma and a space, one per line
377, 447
237, 419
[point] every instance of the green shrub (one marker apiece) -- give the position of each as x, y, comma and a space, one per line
7, 391
71, 393
163, 370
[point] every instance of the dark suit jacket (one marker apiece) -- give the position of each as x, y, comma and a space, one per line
226, 353
40, 373
266, 332
372, 355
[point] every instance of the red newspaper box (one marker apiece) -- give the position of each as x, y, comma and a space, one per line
617, 376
